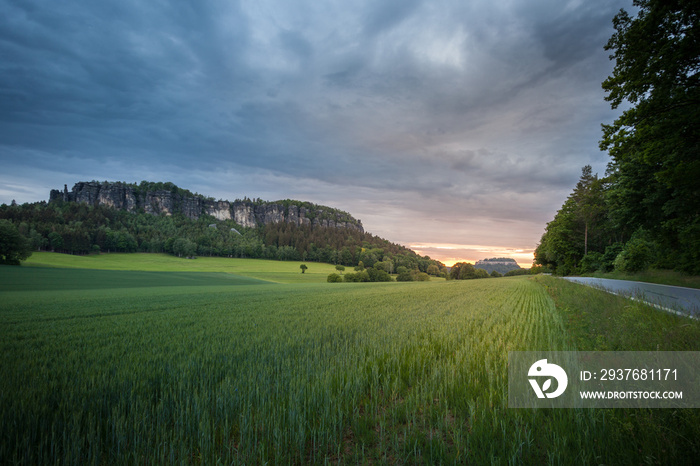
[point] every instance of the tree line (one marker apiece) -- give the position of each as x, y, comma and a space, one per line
645, 211
77, 228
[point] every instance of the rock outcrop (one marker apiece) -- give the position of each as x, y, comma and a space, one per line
247, 213
499, 264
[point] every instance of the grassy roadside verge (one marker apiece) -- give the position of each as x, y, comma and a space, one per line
599, 321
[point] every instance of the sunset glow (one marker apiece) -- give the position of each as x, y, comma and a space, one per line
449, 254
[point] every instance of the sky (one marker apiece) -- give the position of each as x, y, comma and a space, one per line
456, 128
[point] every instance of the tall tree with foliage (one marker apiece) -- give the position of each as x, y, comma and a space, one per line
561, 246
462, 271
13, 246
655, 143
579, 227
588, 196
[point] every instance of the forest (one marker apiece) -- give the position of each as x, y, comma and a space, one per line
645, 211
78, 228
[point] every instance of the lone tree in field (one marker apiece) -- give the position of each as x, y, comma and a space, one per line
303, 268
13, 246
340, 268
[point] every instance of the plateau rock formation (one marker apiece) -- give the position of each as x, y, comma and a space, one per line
168, 199
499, 264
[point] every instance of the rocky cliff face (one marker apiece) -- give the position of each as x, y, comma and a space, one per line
499, 264
246, 213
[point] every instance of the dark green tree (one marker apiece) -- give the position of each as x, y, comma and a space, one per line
184, 247
303, 268
654, 144
37, 241
462, 271
334, 278
403, 274
13, 246
590, 203
378, 275
579, 226
56, 241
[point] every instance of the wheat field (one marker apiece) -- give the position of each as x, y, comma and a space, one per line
224, 370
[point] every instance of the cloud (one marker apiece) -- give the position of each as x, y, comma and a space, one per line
385, 15
450, 113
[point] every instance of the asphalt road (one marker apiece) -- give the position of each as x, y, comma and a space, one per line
672, 298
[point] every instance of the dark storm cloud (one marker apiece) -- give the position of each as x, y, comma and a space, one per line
91, 75
382, 16
484, 108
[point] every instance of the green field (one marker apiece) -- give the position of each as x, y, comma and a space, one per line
268, 270
178, 367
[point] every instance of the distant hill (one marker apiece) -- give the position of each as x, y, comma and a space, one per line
95, 217
499, 264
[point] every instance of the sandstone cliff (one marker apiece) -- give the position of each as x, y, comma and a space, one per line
168, 199
499, 264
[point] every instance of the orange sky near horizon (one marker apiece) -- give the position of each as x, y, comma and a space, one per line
449, 254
